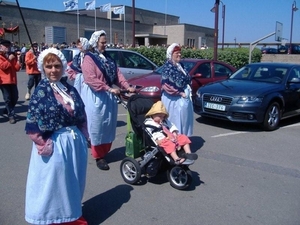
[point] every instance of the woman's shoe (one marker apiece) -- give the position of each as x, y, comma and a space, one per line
102, 164
12, 120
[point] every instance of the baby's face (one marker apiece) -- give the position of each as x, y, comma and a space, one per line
158, 117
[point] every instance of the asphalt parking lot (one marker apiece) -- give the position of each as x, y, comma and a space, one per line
243, 176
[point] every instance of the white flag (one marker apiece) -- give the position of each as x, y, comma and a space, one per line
105, 8
71, 5
90, 5
119, 10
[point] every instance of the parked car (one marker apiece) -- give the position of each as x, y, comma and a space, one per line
202, 71
130, 63
284, 49
262, 93
268, 50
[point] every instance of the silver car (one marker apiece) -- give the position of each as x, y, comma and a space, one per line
130, 63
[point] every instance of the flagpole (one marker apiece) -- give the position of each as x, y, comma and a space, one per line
77, 22
95, 20
110, 32
124, 42
95, 17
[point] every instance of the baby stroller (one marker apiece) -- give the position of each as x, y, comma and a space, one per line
151, 159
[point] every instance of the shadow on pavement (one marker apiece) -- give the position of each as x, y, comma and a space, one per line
99, 208
197, 143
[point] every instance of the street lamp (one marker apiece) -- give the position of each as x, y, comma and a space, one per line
223, 18
215, 9
294, 9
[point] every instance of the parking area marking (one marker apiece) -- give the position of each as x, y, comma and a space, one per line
229, 134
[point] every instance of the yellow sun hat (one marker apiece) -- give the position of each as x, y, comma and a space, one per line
157, 107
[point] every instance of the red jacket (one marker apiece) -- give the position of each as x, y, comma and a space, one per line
8, 70
31, 63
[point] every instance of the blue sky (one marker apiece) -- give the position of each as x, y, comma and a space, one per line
245, 20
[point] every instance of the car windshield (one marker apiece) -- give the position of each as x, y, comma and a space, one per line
261, 73
186, 65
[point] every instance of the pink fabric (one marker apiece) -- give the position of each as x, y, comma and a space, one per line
168, 133
170, 90
71, 73
94, 78
44, 146
170, 146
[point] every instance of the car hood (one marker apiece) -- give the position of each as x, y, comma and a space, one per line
147, 80
239, 87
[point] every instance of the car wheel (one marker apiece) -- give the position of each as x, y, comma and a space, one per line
130, 170
272, 117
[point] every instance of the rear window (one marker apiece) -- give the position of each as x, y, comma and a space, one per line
68, 54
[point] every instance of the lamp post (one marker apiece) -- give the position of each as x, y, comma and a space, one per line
133, 23
294, 9
215, 9
223, 28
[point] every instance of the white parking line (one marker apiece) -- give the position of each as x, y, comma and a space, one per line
228, 134
122, 114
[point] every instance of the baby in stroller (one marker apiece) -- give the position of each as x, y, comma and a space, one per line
152, 159
166, 134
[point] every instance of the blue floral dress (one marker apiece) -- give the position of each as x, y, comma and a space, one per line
180, 109
55, 183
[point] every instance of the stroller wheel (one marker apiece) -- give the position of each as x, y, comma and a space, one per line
179, 177
130, 170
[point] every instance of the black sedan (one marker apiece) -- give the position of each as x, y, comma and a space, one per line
262, 93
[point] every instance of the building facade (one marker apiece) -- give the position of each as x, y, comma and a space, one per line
151, 28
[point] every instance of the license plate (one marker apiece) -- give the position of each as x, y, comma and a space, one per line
214, 106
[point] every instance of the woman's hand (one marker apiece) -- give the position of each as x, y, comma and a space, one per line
183, 94
131, 89
115, 91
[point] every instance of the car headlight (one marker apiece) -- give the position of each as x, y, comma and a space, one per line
150, 89
249, 99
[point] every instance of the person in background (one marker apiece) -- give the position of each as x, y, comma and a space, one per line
176, 91
15, 47
102, 79
9, 65
74, 70
23, 53
56, 123
34, 75
44, 46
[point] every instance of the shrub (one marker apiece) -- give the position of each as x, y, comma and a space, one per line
237, 57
